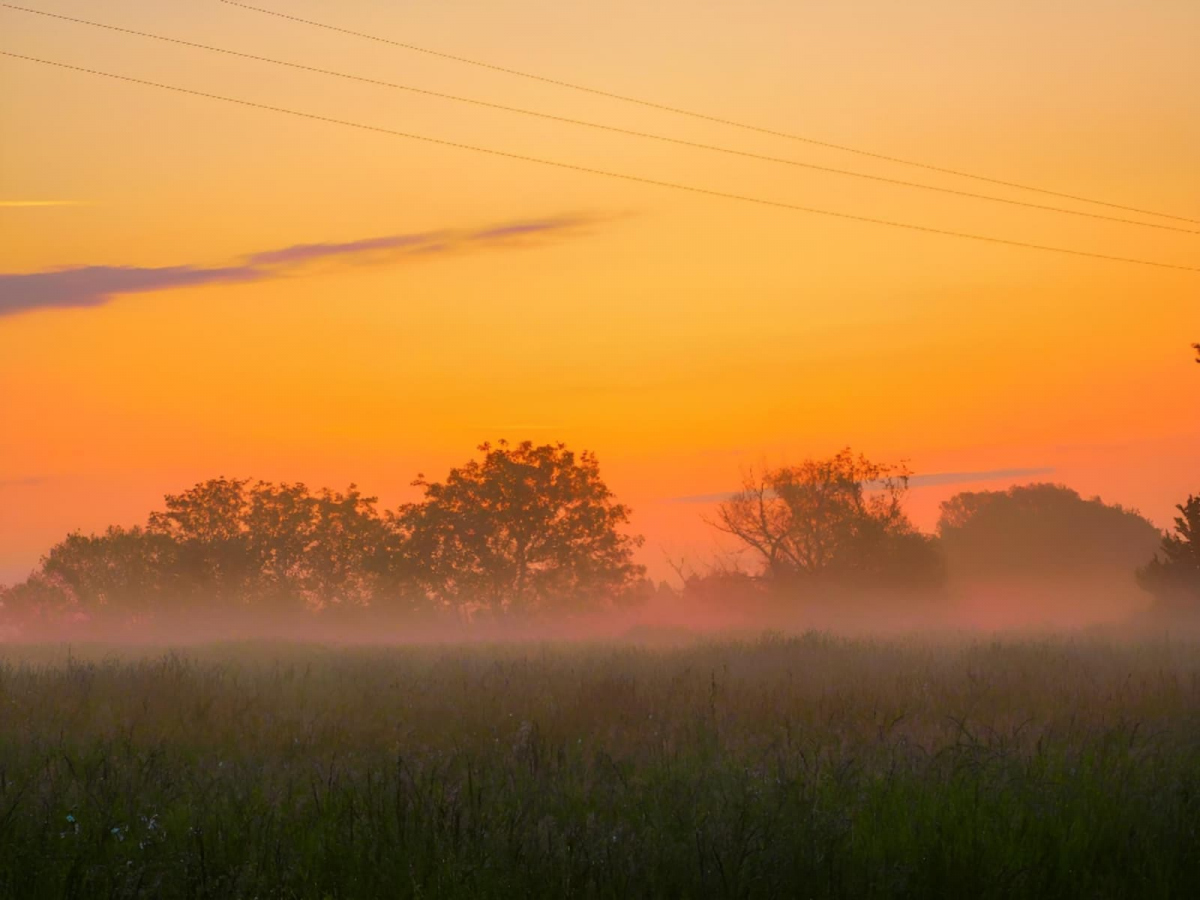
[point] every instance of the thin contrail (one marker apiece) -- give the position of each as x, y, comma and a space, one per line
19, 204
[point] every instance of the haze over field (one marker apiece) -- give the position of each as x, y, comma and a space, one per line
686, 449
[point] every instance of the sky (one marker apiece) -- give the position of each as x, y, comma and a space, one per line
192, 288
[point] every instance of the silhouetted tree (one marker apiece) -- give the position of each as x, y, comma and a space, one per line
524, 529
353, 558
39, 600
1174, 577
280, 547
120, 574
224, 545
215, 560
277, 523
1041, 530
836, 519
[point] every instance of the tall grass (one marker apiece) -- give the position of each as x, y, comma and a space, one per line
807, 767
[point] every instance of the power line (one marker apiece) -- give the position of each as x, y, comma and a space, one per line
760, 201
596, 125
706, 117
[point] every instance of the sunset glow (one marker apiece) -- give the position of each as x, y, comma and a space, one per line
226, 290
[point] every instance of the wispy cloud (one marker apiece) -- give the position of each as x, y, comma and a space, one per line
915, 481
306, 253
96, 285
516, 229
89, 286
720, 497
968, 477
26, 481
33, 204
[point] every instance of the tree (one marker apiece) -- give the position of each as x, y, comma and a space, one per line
278, 523
281, 548
352, 560
1174, 577
227, 545
840, 518
524, 529
121, 574
1042, 531
215, 560
37, 602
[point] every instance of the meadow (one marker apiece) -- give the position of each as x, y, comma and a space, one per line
805, 766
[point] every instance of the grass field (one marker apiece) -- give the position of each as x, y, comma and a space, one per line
798, 767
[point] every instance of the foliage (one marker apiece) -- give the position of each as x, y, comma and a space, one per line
527, 528
840, 518
1174, 577
39, 599
123, 572
1041, 530
223, 545
324, 551
278, 546
806, 767
524, 529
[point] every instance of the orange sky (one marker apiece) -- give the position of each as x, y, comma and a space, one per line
682, 337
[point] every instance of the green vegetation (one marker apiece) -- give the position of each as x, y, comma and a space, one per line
806, 767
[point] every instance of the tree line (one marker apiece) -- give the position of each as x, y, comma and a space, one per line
526, 531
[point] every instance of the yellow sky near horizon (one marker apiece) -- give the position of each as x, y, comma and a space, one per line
682, 337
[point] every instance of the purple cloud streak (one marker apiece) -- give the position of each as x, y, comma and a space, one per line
90, 286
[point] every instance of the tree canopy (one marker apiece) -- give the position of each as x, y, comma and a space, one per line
840, 518
1174, 576
1040, 530
527, 528
523, 529
279, 546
